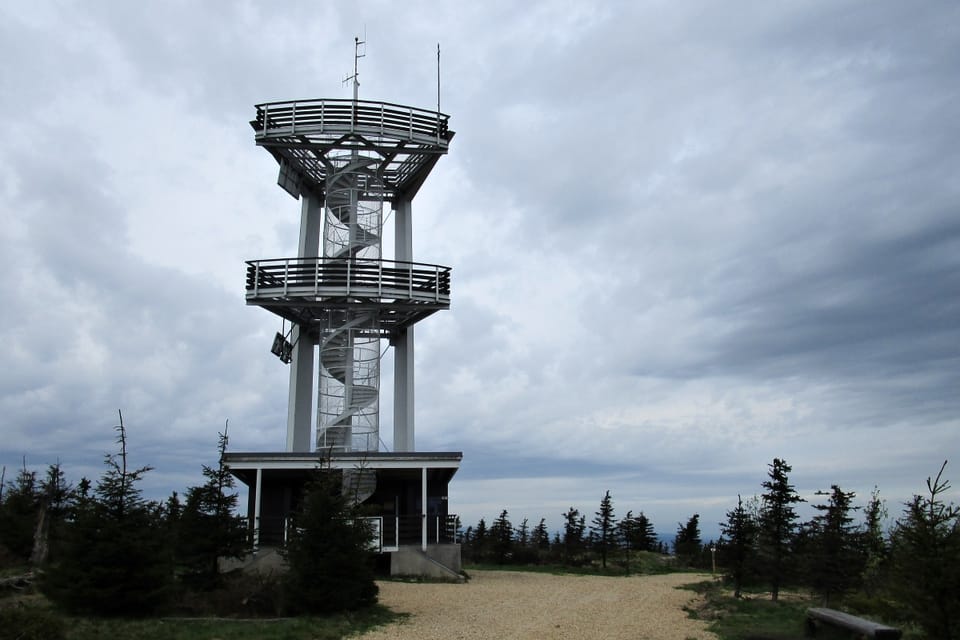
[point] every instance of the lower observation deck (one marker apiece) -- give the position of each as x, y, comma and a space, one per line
308, 290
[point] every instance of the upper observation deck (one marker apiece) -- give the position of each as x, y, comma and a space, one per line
401, 144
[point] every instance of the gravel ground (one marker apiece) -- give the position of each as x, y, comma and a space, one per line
509, 604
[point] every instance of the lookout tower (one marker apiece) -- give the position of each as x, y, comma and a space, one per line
347, 161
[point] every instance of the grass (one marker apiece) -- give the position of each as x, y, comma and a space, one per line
332, 627
303, 628
755, 616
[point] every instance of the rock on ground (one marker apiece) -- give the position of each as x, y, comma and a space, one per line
509, 604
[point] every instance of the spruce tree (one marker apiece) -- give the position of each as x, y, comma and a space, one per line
873, 543
523, 534
328, 553
626, 534
603, 527
835, 558
56, 496
573, 527
741, 531
646, 536
925, 555
209, 528
541, 537
501, 532
114, 559
686, 544
18, 514
481, 542
777, 523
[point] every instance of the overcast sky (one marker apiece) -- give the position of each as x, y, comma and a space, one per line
686, 238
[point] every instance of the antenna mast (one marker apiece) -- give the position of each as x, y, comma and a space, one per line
357, 42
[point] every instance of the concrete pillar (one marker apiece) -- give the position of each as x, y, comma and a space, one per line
403, 388
300, 401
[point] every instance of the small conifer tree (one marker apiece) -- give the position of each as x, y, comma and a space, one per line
114, 559
501, 533
328, 553
777, 523
686, 544
739, 550
604, 527
573, 529
925, 550
835, 558
208, 526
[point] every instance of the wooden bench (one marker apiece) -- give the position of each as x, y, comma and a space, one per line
863, 628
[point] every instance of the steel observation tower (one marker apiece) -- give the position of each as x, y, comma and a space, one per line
346, 160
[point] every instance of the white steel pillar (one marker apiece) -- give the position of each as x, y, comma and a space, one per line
300, 402
423, 508
403, 398
256, 509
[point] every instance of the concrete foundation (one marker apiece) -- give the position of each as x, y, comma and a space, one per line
440, 562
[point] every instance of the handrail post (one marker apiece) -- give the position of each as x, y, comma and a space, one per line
411, 122
410, 280
380, 278
323, 106
436, 283
286, 276
256, 279
266, 113
349, 272
316, 277
293, 119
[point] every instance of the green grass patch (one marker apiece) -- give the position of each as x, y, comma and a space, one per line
331, 627
753, 617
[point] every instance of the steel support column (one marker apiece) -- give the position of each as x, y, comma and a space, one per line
403, 389
423, 508
256, 509
300, 401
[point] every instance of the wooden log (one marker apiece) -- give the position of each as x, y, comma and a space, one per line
864, 628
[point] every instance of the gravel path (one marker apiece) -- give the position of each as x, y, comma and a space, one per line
509, 604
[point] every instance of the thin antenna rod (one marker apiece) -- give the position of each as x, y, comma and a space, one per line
356, 72
438, 77
356, 59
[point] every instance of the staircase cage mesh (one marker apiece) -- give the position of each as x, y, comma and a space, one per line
348, 411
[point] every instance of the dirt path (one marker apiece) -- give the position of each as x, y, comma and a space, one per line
508, 604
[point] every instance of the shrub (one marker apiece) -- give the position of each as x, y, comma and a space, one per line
31, 623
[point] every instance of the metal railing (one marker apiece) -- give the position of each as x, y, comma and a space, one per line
390, 531
305, 117
356, 277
